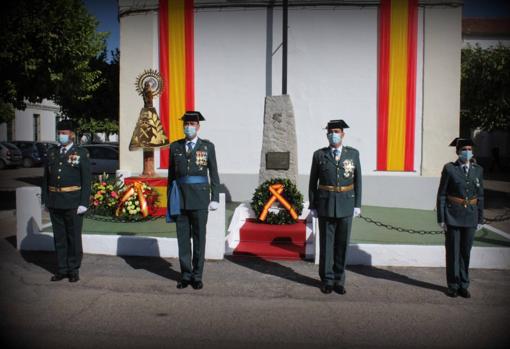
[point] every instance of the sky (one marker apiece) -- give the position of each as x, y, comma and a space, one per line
106, 12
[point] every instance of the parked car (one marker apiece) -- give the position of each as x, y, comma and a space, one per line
103, 158
10, 155
34, 153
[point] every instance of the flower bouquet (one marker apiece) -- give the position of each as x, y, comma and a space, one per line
105, 194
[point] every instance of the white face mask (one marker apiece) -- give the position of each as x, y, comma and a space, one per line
334, 138
190, 131
63, 139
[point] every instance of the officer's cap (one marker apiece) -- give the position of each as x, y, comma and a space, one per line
65, 125
337, 124
193, 116
459, 143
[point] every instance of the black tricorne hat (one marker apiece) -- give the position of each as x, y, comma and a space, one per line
65, 124
337, 124
459, 143
192, 116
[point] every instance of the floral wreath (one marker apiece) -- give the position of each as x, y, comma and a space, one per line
289, 207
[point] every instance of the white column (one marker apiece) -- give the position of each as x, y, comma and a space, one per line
215, 238
28, 213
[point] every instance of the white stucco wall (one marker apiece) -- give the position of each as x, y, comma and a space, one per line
332, 73
441, 95
24, 121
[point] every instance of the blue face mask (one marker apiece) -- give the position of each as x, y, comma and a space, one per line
190, 131
63, 139
465, 155
334, 138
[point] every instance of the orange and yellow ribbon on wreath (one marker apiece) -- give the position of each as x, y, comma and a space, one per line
276, 189
136, 187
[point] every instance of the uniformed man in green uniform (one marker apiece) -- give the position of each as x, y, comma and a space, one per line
335, 197
65, 194
191, 195
460, 214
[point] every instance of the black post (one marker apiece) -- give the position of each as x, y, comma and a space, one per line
284, 45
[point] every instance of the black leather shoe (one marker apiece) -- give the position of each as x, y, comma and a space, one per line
452, 293
58, 277
464, 293
327, 289
74, 278
197, 285
182, 284
339, 289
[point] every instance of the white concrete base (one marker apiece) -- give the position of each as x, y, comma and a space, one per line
30, 236
424, 256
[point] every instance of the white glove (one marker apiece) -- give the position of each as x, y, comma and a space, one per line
479, 226
44, 208
313, 213
357, 212
213, 205
81, 210
442, 225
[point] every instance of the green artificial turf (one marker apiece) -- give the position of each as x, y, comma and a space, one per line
362, 231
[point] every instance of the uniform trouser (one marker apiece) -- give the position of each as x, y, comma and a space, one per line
67, 225
191, 224
458, 243
334, 239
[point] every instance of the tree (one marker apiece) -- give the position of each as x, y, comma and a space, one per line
6, 112
485, 88
46, 50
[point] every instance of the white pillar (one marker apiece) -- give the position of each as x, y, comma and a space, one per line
28, 213
215, 238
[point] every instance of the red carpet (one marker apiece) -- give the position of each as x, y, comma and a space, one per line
272, 241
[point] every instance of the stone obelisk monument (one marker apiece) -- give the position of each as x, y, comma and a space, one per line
279, 144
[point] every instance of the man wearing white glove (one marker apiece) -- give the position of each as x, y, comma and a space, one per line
191, 195
335, 198
460, 200
65, 194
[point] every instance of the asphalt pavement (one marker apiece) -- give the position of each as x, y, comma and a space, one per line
132, 302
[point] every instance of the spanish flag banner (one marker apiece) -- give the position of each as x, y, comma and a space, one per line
398, 31
176, 65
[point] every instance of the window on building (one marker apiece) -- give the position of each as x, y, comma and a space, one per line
10, 130
37, 127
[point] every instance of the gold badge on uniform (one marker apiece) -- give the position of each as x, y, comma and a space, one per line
201, 158
348, 168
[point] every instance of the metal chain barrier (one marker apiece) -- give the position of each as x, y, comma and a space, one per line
400, 229
499, 218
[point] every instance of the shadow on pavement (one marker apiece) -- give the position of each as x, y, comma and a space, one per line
155, 265
43, 259
272, 268
377, 273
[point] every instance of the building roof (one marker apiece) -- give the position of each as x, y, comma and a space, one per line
486, 27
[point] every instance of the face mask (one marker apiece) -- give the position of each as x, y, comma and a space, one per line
465, 155
63, 139
334, 138
190, 131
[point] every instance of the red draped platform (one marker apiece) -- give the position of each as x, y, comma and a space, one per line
272, 241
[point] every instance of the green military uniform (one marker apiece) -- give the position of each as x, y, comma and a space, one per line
334, 191
66, 185
194, 200
461, 218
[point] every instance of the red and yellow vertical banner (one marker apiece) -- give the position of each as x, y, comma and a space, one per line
398, 31
176, 65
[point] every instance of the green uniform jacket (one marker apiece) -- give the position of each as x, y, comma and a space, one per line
454, 182
70, 169
326, 171
199, 162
